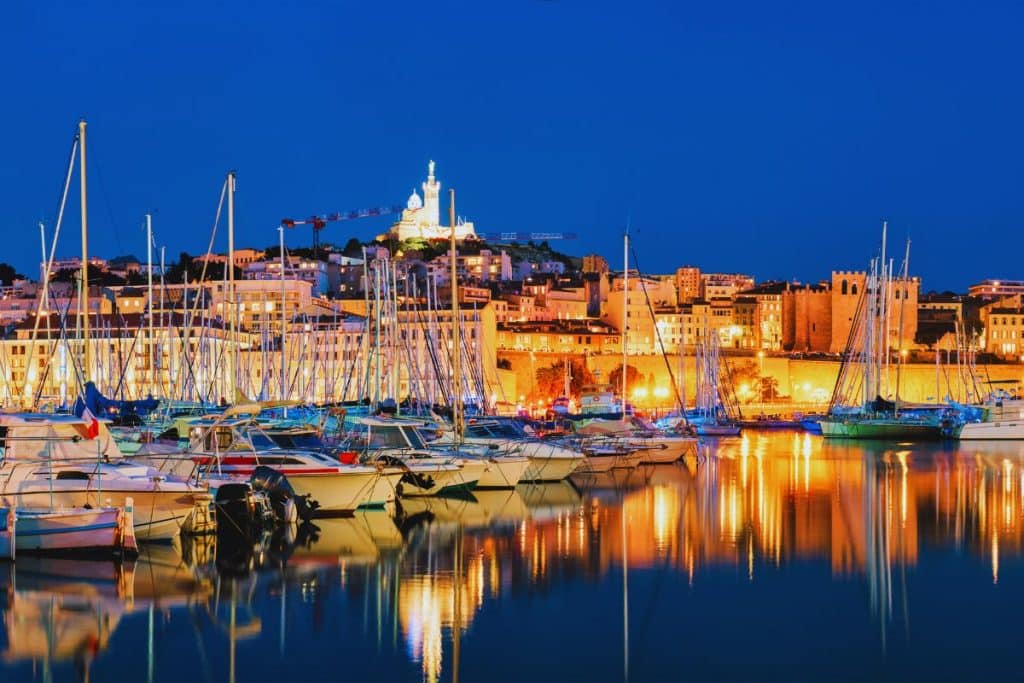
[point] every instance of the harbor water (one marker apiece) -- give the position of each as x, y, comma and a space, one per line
771, 556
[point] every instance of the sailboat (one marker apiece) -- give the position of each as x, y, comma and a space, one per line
857, 409
71, 465
711, 416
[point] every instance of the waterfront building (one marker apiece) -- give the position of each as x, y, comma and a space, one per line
807, 318
723, 285
583, 337
644, 292
847, 289
1004, 328
243, 257
315, 272
990, 290
595, 263
768, 314
73, 263
484, 266
688, 282
329, 355
744, 333
565, 303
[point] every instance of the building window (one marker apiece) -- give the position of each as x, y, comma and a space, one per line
844, 287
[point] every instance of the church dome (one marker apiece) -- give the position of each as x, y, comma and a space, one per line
414, 201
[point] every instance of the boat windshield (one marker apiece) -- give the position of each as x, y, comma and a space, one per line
387, 437
495, 430
260, 441
303, 440
415, 439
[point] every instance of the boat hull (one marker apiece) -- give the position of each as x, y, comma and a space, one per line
344, 492
662, 451
436, 480
549, 462
1011, 430
598, 463
880, 429
503, 472
67, 530
717, 430
159, 515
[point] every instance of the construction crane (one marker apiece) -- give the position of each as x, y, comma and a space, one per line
320, 222
525, 236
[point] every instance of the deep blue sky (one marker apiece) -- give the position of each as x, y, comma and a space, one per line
751, 136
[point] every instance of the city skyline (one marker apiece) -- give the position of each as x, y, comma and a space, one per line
770, 141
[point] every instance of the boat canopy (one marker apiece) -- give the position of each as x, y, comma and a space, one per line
28, 436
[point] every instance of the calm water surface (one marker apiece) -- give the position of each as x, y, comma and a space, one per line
776, 557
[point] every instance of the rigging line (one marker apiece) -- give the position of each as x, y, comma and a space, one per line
106, 201
53, 248
657, 332
209, 249
62, 320
844, 364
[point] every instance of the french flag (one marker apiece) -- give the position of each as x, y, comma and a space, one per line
92, 425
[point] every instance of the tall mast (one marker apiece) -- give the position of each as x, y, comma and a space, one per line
233, 337
457, 424
83, 285
903, 303
625, 315
284, 322
166, 324
149, 269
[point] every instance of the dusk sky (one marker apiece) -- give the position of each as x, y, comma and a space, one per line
769, 138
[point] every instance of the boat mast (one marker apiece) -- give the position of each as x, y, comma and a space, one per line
457, 423
903, 303
625, 315
149, 293
83, 284
233, 336
284, 321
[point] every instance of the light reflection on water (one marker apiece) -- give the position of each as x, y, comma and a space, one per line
602, 579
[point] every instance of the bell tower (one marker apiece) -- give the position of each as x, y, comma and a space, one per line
431, 194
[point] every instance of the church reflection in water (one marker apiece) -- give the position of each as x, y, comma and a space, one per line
415, 582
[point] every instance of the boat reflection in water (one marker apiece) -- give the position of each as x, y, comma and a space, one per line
63, 611
431, 590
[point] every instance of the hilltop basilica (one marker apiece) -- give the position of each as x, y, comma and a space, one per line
421, 219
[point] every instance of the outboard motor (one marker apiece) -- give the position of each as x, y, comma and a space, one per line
281, 493
238, 511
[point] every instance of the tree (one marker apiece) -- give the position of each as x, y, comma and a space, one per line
633, 376
8, 274
551, 379
769, 388
176, 271
353, 248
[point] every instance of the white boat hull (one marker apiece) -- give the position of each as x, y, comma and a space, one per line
66, 530
549, 462
343, 492
159, 515
1009, 430
598, 463
660, 450
438, 479
503, 472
